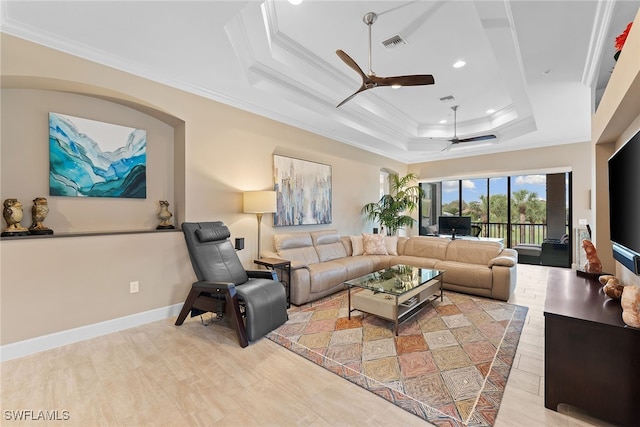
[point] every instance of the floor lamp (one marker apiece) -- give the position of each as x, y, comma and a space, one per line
259, 202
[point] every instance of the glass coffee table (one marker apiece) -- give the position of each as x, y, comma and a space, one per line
395, 293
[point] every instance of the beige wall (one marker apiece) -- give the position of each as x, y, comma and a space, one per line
55, 284
25, 172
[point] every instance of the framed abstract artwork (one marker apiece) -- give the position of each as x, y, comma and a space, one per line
88, 158
303, 191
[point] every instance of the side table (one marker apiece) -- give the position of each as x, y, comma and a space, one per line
283, 266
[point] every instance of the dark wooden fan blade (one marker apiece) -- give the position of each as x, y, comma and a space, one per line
362, 88
411, 80
477, 138
351, 63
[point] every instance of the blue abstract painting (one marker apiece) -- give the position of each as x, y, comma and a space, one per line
303, 192
88, 158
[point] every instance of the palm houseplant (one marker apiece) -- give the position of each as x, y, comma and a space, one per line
393, 210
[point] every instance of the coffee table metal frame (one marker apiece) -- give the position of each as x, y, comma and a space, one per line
396, 293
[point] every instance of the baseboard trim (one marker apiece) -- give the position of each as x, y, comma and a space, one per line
70, 336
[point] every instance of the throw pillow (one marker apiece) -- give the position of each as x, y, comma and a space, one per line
391, 243
374, 244
357, 245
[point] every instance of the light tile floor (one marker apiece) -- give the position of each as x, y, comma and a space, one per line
162, 375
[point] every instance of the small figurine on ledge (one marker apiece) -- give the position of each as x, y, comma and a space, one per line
593, 264
12, 214
39, 212
165, 216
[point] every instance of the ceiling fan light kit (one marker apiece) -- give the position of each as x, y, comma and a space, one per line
370, 80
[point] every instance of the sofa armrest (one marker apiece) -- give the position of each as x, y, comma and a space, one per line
503, 261
269, 254
509, 252
296, 265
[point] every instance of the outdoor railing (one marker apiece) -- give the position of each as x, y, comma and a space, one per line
533, 234
520, 233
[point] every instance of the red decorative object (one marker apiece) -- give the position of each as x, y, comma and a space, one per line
622, 37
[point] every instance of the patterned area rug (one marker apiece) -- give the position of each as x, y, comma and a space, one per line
449, 364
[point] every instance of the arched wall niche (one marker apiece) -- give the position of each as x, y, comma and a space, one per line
177, 196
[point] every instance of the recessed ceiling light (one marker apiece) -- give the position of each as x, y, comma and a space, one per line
443, 121
459, 64
295, 2
396, 86
491, 111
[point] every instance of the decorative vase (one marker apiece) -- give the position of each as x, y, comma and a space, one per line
12, 214
39, 212
165, 216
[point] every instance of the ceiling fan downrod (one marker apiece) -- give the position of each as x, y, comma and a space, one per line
455, 122
369, 19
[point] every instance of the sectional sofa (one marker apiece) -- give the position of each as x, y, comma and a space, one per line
321, 261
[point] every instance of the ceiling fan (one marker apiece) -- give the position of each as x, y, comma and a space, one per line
456, 140
369, 81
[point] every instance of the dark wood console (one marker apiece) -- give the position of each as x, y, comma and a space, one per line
592, 359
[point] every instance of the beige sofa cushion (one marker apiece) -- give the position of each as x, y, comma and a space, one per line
358, 265
331, 251
296, 247
328, 245
326, 275
472, 251
291, 240
466, 274
324, 237
426, 247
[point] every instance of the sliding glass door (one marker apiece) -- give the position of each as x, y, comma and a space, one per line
521, 209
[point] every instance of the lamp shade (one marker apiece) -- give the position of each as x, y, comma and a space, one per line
259, 201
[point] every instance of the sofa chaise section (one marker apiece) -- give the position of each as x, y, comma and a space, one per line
479, 267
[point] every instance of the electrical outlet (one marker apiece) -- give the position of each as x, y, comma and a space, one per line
134, 287
582, 221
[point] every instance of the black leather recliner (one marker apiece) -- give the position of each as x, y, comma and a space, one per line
255, 300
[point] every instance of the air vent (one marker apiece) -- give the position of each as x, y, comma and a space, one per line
447, 98
393, 41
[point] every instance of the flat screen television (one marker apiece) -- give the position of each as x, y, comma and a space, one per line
454, 225
624, 204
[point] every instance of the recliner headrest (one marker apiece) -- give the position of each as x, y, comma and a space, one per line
216, 233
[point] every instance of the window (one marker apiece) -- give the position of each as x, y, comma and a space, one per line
498, 207
528, 209
451, 198
518, 209
429, 208
475, 202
